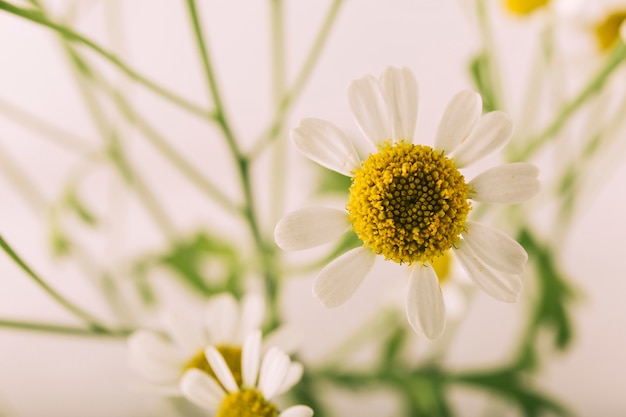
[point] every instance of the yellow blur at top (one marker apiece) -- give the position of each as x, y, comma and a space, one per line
524, 7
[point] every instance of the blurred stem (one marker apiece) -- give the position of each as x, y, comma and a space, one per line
69, 306
279, 157
491, 51
20, 181
54, 134
293, 93
595, 84
170, 153
264, 251
64, 330
39, 17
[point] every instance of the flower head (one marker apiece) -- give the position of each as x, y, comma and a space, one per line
408, 202
250, 397
609, 29
163, 360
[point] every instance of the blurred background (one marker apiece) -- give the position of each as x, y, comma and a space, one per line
44, 374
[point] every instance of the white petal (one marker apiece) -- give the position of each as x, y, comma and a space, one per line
185, 330
150, 344
326, 144
506, 184
222, 317
340, 278
500, 285
294, 374
310, 227
297, 411
458, 120
198, 387
424, 302
250, 359
287, 338
155, 370
273, 372
251, 315
495, 248
369, 109
492, 131
400, 89
221, 369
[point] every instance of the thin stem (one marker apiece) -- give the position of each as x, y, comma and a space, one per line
54, 134
265, 252
593, 87
279, 156
21, 182
64, 330
77, 311
171, 154
491, 51
40, 18
293, 93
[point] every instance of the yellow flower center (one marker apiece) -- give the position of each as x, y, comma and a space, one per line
246, 403
232, 356
524, 7
408, 202
607, 31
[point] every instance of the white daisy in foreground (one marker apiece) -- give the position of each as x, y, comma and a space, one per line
409, 202
227, 397
163, 359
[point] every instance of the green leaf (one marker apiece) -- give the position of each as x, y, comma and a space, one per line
479, 69
511, 384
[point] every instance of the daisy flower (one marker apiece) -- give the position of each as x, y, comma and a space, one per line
225, 396
164, 358
409, 203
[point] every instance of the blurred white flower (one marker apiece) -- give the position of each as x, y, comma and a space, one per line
163, 358
260, 382
408, 202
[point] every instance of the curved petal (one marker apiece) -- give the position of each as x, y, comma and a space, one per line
500, 285
297, 411
294, 374
310, 227
202, 390
252, 312
506, 184
185, 330
458, 120
222, 317
424, 302
153, 369
326, 144
495, 248
340, 278
143, 342
273, 372
492, 131
369, 108
221, 369
250, 359
400, 89
287, 338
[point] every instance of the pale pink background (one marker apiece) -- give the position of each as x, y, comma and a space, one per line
74, 377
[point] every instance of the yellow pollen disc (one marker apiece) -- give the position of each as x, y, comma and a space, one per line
524, 7
408, 203
232, 356
607, 31
247, 403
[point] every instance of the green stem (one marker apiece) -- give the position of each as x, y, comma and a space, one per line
491, 51
293, 93
594, 86
54, 134
64, 330
264, 251
86, 317
40, 18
